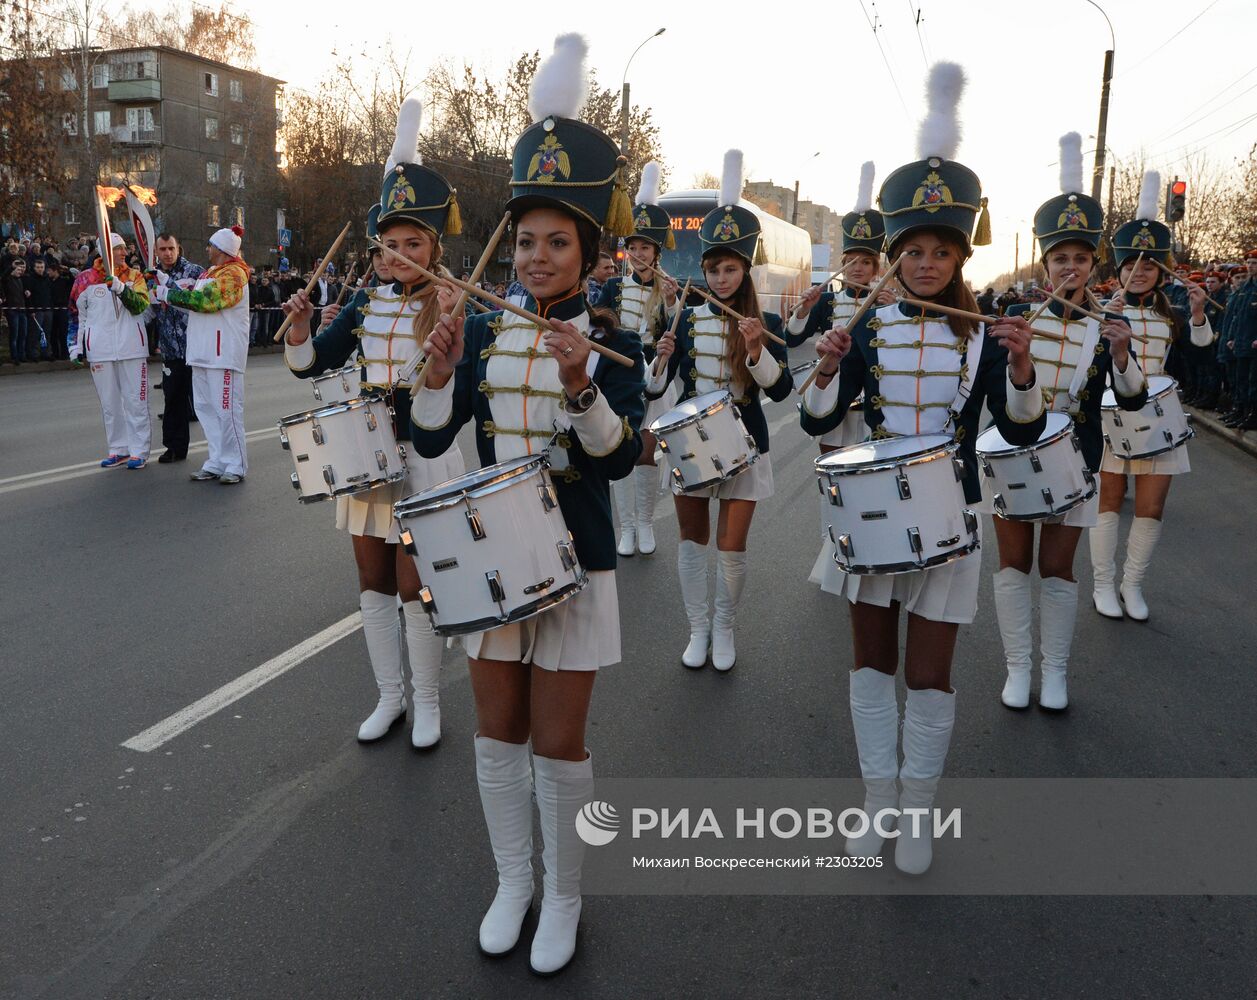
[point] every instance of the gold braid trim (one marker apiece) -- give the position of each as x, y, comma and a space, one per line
879, 371
569, 475
531, 353
916, 345
524, 390
879, 402
492, 430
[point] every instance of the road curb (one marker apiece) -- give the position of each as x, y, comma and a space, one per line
34, 367
1244, 440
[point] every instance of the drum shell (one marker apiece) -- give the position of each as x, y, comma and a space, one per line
339, 386
707, 447
467, 543
343, 448
1039, 481
1160, 426
875, 512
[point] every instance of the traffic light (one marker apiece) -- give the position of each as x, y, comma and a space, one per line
1176, 207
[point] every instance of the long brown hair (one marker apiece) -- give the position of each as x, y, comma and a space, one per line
1161, 303
655, 299
744, 301
956, 293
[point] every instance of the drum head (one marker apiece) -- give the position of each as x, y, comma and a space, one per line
991, 441
491, 476
692, 408
883, 451
1157, 384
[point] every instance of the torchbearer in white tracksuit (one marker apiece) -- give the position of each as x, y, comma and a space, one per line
105, 328
218, 347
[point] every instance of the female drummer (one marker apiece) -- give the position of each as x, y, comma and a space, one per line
712, 351
529, 389
384, 326
921, 373
1137, 246
1075, 359
643, 304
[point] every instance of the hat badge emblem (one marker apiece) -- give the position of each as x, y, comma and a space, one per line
932, 193
549, 162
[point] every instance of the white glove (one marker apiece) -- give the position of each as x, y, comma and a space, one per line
160, 293
117, 285
162, 278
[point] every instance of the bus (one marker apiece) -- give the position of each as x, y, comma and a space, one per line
781, 282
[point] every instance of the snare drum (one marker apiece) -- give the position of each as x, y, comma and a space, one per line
1038, 481
344, 448
896, 505
704, 441
491, 547
338, 386
1159, 427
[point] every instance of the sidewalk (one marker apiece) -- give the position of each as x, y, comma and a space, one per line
1244, 440
28, 367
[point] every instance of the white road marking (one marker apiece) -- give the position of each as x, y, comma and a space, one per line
66, 472
216, 701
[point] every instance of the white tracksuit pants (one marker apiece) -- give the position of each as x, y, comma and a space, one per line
123, 390
218, 395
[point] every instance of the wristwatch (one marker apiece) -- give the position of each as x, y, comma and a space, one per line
583, 401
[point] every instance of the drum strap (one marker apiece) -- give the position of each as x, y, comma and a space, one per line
1087, 352
969, 375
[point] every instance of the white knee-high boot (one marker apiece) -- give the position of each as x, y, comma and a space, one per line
646, 479
875, 719
1140, 544
504, 774
1058, 610
928, 720
625, 492
563, 787
424, 648
1102, 538
382, 630
692, 568
730, 579
1013, 612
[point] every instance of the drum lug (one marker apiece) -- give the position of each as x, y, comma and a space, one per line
329, 475
425, 598
1156, 408
1047, 497
999, 502
408, 543
663, 445
959, 465
905, 491
537, 588
687, 457
549, 500
1035, 463
567, 555
283, 441
380, 460
296, 483
702, 433
1073, 439
401, 453
914, 540
716, 463
497, 593
1169, 438
371, 424
835, 495
475, 524
1117, 419
971, 521
750, 442
845, 546
1089, 476
676, 474
318, 393
316, 432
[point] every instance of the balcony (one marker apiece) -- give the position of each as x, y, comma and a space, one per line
125, 91
126, 136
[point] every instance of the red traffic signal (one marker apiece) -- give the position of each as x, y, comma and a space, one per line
1176, 207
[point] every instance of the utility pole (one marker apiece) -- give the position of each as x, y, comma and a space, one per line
794, 212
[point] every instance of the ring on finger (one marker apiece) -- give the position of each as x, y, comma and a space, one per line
567, 350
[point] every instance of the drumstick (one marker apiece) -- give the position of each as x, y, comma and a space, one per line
946, 310
867, 304
504, 305
1212, 302
314, 279
672, 331
720, 305
353, 269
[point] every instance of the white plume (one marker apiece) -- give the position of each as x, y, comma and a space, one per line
939, 132
560, 85
648, 193
406, 139
731, 178
1071, 163
864, 199
1149, 196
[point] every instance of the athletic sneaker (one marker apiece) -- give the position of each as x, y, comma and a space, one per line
230, 479
113, 462
203, 476
136, 463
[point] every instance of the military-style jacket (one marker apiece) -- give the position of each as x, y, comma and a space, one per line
627, 298
832, 309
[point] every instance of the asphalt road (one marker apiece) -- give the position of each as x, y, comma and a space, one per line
264, 853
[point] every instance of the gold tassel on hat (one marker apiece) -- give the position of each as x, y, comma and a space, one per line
982, 233
761, 255
1102, 257
620, 211
670, 242
454, 221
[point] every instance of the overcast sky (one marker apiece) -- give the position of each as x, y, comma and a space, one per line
805, 77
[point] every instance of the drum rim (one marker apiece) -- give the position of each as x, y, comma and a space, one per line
531, 610
366, 487
947, 450
1012, 449
1173, 386
657, 427
1178, 443
330, 408
434, 501
338, 373
1044, 515
942, 559
752, 458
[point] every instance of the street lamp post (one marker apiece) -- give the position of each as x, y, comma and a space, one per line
1097, 173
794, 212
624, 96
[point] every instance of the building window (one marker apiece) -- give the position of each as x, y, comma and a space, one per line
71, 214
211, 84
211, 128
70, 123
211, 215
237, 175
100, 76
466, 261
211, 171
39, 80
237, 216
100, 123
140, 123
68, 80
236, 89
237, 135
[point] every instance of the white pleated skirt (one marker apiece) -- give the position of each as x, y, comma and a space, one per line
371, 513
755, 483
582, 633
1169, 463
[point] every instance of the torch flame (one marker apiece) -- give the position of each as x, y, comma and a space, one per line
110, 196
146, 196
